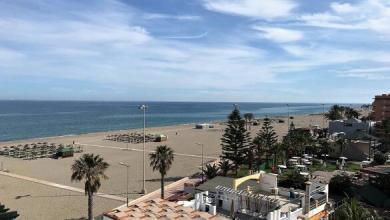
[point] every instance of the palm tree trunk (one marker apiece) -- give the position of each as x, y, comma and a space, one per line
162, 186
90, 205
274, 159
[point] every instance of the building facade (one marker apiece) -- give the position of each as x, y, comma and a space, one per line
350, 127
381, 107
266, 201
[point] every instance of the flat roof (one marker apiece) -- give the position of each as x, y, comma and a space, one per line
383, 169
210, 185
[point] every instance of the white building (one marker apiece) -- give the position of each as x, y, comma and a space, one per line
204, 126
350, 126
268, 203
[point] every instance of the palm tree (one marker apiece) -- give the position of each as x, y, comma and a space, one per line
162, 160
325, 148
351, 113
90, 168
336, 112
342, 144
211, 171
225, 166
352, 210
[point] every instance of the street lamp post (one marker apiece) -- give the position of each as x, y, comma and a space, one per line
202, 145
127, 182
323, 115
143, 108
288, 119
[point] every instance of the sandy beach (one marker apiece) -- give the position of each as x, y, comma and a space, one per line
182, 138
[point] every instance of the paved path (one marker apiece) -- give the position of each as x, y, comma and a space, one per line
73, 189
148, 151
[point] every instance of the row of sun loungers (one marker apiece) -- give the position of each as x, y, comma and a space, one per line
35, 150
136, 138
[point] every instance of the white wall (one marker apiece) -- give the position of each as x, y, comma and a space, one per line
268, 181
340, 126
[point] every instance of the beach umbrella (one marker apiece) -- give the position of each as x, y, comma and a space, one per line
304, 173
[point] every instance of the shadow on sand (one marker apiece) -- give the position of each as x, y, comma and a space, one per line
167, 179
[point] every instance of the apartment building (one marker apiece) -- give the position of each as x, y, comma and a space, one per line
381, 107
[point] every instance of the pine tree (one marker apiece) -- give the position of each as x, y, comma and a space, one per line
266, 140
235, 140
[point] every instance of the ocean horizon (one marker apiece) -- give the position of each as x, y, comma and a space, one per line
38, 119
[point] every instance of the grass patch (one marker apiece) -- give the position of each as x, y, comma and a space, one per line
352, 167
319, 167
330, 167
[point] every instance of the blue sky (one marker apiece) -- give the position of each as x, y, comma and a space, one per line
195, 50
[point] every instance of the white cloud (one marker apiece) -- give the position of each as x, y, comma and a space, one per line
296, 50
373, 15
368, 70
279, 35
175, 17
342, 7
71, 31
260, 9
368, 76
376, 73
196, 36
318, 57
113, 50
9, 56
326, 20
125, 50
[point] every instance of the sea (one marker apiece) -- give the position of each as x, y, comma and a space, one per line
38, 119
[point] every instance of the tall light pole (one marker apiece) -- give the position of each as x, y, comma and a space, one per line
200, 144
288, 124
127, 182
323, 115
143, 108
288, 119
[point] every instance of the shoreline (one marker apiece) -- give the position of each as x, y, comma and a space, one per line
37, 139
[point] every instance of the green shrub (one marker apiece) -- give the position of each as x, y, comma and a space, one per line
379, 158
340, 185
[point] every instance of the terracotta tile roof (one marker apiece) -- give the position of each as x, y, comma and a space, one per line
158, 209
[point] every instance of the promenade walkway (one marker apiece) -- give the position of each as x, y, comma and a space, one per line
60, 186
147, 151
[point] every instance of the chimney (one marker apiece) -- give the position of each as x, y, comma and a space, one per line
306, 207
